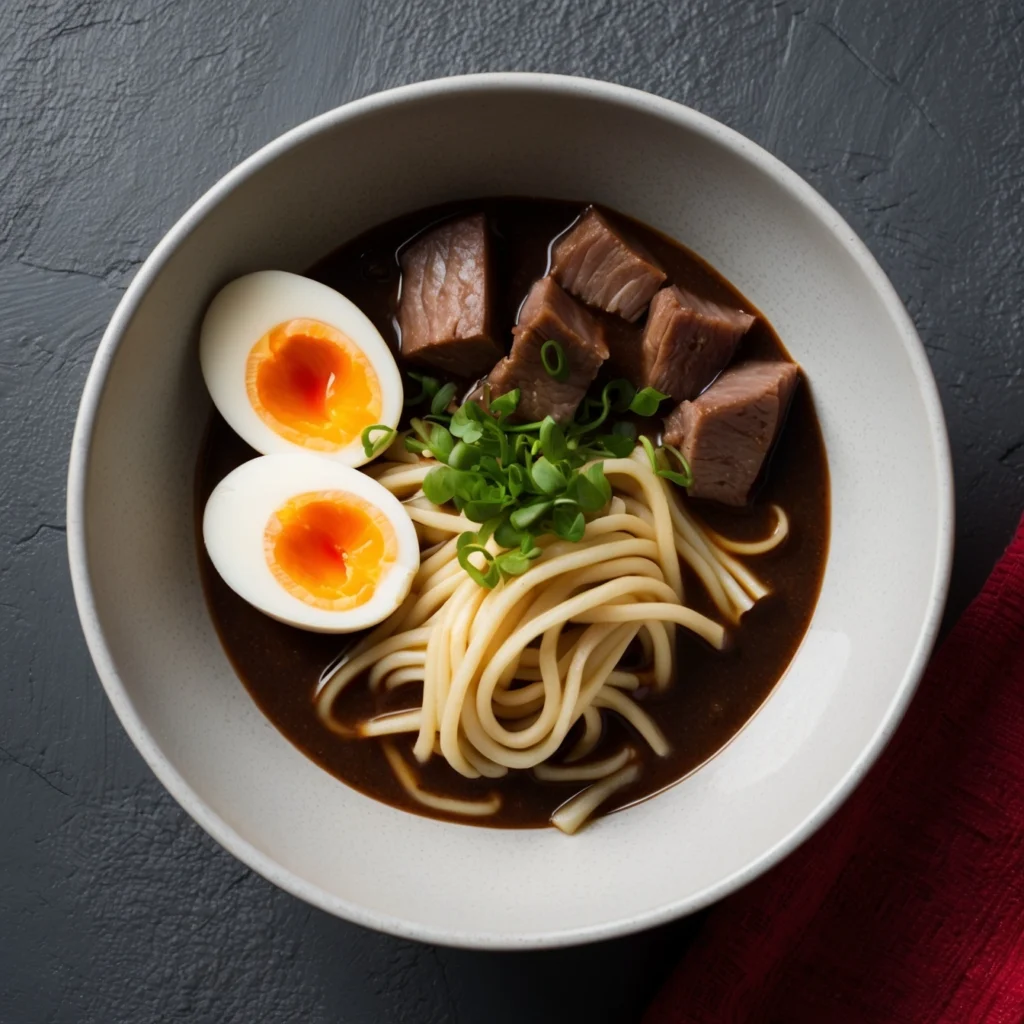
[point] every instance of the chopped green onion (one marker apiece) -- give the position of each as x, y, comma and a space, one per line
513, 563
438, 485
683, 479
373, 448
677, 478
530, 514
584, 495
442, 399
591, 489
507, 535
569, 523
489, 577
467, 423
527, 480
616, 396
554, 360
620, 393
421, 429
493, 428
547, 477
649, 448
428, 388
615, 445
552, 439
464, 456
524, 428
516, 480
529, 548
646, 401
479, 510
440, 442
504, 405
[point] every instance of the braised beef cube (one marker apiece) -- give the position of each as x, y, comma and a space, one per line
445, 307
548, 314
726, 432
596, 263
688, 341
625, 347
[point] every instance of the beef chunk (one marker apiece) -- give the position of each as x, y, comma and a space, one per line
726, 433
548, 314
445, 308
624, 341
596, 263
688, 341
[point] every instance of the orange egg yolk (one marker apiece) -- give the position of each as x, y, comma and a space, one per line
312, 385
329, 548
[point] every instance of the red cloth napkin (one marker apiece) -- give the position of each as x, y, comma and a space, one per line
908, 906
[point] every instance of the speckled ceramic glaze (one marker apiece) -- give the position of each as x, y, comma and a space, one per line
132, 542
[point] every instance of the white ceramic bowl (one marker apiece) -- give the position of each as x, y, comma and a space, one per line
132, 541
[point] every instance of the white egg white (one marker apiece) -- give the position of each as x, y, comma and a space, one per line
236, 518
244, 311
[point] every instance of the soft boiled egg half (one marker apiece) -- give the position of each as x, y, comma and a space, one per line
311, 542
293, 365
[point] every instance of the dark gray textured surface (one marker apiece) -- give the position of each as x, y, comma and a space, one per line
113, 117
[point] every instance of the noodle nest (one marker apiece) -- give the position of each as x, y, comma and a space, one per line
507, 673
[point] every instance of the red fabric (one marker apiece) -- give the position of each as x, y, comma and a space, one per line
908, 906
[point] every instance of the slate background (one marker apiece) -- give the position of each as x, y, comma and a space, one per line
114, 117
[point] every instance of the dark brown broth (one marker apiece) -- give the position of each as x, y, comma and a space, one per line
717, 692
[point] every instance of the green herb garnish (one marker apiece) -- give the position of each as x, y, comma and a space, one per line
428, 387
646, 401
518, 482
527, 480
658, 457
373, 447
555, 362
489, 576
441, 399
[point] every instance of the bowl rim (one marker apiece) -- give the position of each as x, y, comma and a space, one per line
95, 387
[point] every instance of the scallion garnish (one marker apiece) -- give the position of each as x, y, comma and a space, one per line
374, 446
428, 387
516, 482
646, 401
684, 478
553, 356
657, 458
489, 576
442, 399
526, 480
